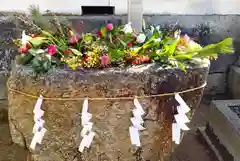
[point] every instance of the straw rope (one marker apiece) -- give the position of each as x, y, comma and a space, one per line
105, 98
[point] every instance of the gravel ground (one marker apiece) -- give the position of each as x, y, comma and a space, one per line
190, 149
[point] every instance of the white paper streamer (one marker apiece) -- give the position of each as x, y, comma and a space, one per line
138, 106
183, 105
90, 139
34, 140
181, 119
86, 128
176, 133
86, 131
137, 123
134, 136
38, 104
38, 123
38, 129
42, 133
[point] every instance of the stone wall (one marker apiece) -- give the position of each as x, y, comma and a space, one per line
206, 29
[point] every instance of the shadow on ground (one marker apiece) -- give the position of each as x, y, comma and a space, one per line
191, 148
8, 150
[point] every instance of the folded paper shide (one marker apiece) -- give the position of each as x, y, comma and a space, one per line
137, 123
87, 134
56, 43
180, 119
38, 129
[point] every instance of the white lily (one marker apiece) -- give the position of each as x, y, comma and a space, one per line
25, 38
141, 38
128, 28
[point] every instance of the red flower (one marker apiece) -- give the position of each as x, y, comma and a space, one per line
52, 49
99, 33
23, 50
136, 62
34, 35
67, 51
130, 44
85, 58
28, 45
144, 59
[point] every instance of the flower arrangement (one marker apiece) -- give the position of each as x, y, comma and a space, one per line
55, 43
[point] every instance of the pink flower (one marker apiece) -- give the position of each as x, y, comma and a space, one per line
72, 40
78, 37
104, 60
109, 27
52, 49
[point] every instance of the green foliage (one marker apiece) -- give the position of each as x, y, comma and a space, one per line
57, 44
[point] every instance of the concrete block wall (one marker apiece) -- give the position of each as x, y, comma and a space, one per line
183, 7
213, 29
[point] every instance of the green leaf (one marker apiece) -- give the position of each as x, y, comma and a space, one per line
172, 47
223, 47
110, 38
32, 52
182, 66
23, 58
156, 33
46, 65
123, 43
36, 62
143, 24
103, 31
37, 41
115, 54
47, 34
55, 60
183, 56
76, 52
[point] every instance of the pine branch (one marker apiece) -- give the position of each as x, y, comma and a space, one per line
38, 18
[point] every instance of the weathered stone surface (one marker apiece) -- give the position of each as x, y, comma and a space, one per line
222, 64
216, 84
3, 111
234, 81
111, 118
228, 133
7, 33
3, 87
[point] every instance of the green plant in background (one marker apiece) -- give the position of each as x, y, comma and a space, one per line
55, 43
